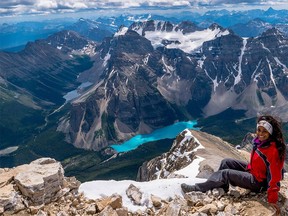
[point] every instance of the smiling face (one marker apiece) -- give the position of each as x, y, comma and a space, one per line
262, 133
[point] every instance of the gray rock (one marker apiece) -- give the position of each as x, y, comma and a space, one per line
134, 194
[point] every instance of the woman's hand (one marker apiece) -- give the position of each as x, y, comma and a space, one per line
277, 208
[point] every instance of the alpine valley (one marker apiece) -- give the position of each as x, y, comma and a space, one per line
90, 85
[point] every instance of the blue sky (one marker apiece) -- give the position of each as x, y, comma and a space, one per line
13, 8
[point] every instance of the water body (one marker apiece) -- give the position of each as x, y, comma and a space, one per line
8, 150
168, 132
77, 92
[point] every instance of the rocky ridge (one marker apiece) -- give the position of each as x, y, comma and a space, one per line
40, 188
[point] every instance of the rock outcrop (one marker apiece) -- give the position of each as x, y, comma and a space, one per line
187, 146
36, 184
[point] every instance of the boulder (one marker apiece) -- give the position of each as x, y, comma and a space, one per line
41, 181
134, 194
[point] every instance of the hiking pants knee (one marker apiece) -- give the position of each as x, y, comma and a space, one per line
232, 172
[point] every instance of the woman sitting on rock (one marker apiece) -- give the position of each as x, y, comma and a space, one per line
265, 170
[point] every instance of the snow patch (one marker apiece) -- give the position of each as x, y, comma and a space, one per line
238, 77
283, 65
122, 31
215, 82
271, 73
89, 50
187, 42
201, 62
106, 58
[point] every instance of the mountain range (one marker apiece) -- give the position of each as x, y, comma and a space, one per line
184, 72
142, 77
99, 27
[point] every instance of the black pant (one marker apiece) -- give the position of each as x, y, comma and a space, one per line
232, 172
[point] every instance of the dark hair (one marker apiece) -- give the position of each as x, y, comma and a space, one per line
277, 135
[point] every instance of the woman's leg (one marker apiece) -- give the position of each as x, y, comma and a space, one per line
230, 171
229, 163
222, 179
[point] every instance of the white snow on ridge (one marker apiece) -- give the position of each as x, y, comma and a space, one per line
106, 59
167, 68
238, 77
271, 73
255, 77
186, 42
201, 61
280, 63
215, 82
264, 47
121, 31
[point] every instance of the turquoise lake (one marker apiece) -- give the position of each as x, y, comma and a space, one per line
168, 132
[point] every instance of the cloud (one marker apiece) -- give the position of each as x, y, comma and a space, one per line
46, 4
18, 7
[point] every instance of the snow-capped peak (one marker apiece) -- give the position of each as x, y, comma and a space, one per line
175, 38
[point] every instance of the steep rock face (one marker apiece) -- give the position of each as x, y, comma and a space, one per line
246, 73
187, 27
148, 76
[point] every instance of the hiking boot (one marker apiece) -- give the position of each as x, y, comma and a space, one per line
188, 188
226, 189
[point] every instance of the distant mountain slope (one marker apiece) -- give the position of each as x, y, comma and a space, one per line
20, 33
45, 70
34, 81
251, 29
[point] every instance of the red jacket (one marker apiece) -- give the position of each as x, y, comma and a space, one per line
265, 165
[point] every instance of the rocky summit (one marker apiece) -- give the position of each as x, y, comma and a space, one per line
40, 188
